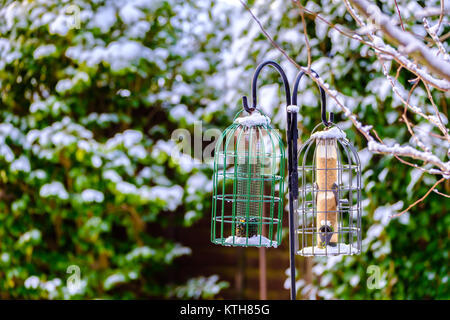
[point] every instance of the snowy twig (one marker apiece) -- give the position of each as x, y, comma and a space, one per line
432, 11
395, 88
408, 151
432, 32
408, 42
430, 171
379, 46
414, 109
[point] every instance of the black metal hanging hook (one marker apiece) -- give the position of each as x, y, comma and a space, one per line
254, 85
322, 97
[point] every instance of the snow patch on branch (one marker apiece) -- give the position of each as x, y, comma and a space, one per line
409, 152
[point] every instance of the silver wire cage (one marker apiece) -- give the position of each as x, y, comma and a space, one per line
329, 210
248, 186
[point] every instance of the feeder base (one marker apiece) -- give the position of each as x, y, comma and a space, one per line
338, 249
258, 240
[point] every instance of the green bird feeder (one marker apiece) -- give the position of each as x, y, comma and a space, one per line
248, 179
248, 184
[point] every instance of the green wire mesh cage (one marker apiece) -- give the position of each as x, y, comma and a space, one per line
248, 184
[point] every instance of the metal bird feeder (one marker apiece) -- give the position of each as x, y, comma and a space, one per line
248, 179
329, 213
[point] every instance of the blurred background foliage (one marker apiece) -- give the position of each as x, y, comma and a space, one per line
86, 157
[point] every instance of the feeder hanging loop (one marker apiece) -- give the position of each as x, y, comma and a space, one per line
245, 105
323, 98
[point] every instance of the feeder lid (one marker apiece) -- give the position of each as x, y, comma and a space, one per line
333, 133
253, 120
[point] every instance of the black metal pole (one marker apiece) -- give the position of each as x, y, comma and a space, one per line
293, 190
292, 134
293, 171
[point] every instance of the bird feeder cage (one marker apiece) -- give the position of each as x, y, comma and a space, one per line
329, 212
248, 184
248, 180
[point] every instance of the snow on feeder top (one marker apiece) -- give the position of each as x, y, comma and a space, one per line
329, 212
248, 179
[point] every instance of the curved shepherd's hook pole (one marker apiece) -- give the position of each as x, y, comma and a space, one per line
323, 108
292, 134
293, 192
322, 97
255, 85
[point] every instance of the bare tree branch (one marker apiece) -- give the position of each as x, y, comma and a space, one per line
399, 15
441, 194
308, 47
405, 118
268, 36
420, 200
441, 15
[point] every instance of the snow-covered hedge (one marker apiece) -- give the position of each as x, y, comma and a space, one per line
83, 113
